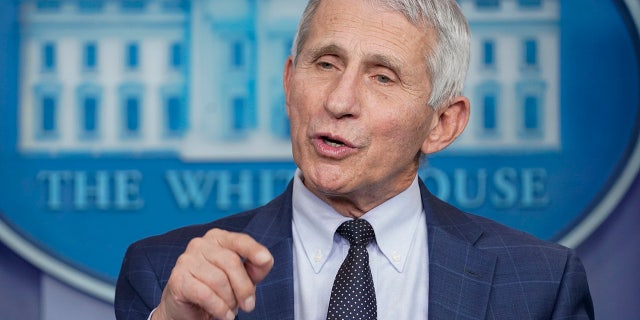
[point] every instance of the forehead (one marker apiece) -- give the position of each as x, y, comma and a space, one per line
368, 26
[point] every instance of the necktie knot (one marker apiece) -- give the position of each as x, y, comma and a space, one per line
358, 232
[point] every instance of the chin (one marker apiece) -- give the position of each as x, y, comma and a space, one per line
326, 181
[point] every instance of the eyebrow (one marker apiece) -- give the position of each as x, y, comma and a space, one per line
385, 61
329, 49
373, 59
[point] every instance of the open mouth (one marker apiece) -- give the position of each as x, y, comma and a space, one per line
332, 142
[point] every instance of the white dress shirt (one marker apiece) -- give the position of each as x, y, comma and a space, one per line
398, 257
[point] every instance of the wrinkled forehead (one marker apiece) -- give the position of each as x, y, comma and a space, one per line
327, 11
409, 9
372, 33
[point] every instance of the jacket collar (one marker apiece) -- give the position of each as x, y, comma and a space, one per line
271, 226
460, 275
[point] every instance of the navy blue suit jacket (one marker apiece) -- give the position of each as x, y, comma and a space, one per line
478, 269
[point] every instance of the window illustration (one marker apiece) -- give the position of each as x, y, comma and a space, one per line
132, 114
488, 53
88, 96
48, 5
531, 113
487, 4
531, 117
90, 5
175, 112
530, 53
131, 56
175, 121
489, 113
90, 114
48, 111
131, 110
530, 3
175, 5
488, 124
238, 114
176, 55
48, 56
237, 54
90, 56
133, 5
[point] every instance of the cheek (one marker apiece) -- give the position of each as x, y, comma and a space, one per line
295, 107
405, 133
300, 111
298, 116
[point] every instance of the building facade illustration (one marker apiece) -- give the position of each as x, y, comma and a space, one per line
514, 76
202, 80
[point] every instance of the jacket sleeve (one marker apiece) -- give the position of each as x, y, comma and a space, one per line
573, 300
138, 290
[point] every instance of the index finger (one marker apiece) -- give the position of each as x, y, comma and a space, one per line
257, 259
245, 246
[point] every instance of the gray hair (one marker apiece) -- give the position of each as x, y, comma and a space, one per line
448, 62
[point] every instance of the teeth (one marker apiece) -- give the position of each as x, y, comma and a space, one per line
333, 143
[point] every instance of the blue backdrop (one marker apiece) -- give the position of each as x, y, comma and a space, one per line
123, 119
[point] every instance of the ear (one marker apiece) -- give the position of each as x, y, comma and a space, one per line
287, 77
448, 123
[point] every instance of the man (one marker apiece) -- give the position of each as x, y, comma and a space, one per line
371, 87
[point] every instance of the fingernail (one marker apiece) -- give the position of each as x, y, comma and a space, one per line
230, 315
249, 303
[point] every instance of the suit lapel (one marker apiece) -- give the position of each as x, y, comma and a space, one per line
275, 292
460, 275
271, 226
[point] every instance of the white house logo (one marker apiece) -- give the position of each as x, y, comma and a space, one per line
128, 118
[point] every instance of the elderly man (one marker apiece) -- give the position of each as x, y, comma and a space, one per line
371, 87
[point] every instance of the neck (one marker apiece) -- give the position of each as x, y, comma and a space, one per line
358, 203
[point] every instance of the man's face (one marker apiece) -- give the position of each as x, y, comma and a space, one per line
357, 102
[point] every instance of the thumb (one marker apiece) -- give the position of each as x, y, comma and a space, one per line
259, 265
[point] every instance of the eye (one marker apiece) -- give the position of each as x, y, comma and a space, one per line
325, 65
383, 79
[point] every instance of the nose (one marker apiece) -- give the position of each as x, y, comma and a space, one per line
343, 101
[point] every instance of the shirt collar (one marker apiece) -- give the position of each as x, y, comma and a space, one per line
315, 222
394, 223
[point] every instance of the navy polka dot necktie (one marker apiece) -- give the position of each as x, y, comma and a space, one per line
353, 295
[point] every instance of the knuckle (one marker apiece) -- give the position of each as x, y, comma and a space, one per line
216, 233
221, 282
245, 292
244, 237
196, 243
213, 304
183, 260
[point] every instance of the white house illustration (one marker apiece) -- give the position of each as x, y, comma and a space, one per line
201, 79
514, 76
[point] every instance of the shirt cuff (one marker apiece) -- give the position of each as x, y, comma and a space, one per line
151, 314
